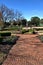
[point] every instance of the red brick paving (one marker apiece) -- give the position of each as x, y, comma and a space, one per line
27, 51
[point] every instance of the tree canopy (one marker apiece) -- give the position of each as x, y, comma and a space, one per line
16, 17
35, 21
7, 14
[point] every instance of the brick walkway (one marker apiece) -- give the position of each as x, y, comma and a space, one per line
27, 51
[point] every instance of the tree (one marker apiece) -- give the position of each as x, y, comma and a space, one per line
18, 15
24, 21
29, 23
6, 24
19, 23
14, 22
35, 21
1, 22
7, 14
41, 21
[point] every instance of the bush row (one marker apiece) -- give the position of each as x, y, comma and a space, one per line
29, 31
12, 28
5, 34
24, 31
8, 40
39, 29
41, 37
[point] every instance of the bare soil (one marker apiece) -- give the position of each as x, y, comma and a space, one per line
27, 51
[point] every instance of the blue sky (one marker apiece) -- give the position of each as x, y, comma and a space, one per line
29, 8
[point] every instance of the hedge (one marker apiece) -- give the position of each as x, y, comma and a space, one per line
5, 34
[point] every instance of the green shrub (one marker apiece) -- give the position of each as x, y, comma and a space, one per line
10, 40
12, 28
34, 32
41, 37
5, 34
27, 31
24, 31
1, 39
39, 29
31, 30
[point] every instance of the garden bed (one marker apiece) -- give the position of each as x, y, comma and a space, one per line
41, 38
5, 46
28, 31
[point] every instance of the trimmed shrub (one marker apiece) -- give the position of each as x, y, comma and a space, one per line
10, 40
5, 34
41, 37
16, 28
24, 31
39, 29
34, 32
1, 39
31, 30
